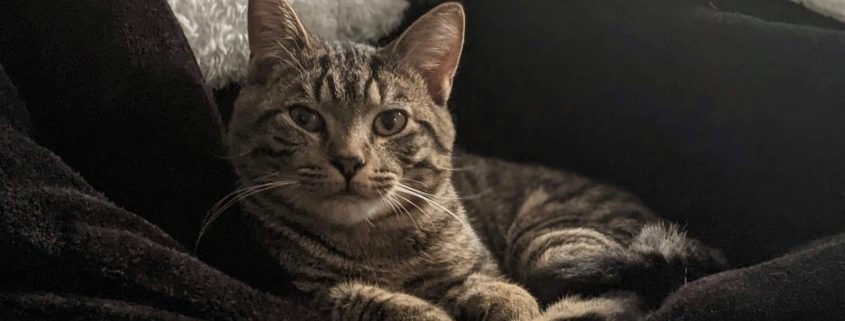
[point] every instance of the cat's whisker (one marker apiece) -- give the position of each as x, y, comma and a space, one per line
411, 191
398, 210
227, 201
236, 192
414, 204
369, 222
232, 198
259, 179
410, 216
226, 198
411, 180
221, 207
393, 204
456, 198
389, 202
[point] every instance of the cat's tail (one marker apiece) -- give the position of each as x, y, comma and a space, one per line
659, 259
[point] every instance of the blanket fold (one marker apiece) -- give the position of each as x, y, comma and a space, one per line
805, 285
71, 254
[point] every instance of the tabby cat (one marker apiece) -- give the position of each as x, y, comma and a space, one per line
346, 153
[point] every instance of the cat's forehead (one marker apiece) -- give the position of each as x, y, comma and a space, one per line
346, 49
345, 74
343, 58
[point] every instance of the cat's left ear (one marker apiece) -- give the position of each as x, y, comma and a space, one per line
432, 46
274, 30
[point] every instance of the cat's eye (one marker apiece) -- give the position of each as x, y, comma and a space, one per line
390, 122
306, 118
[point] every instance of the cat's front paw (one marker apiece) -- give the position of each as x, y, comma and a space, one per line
357, 301
489, 299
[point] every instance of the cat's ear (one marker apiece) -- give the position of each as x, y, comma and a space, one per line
432, 46
274, 30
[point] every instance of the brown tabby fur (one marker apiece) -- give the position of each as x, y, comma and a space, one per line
391, 239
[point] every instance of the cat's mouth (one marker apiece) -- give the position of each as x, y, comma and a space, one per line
349, 208
349, 195
356, 191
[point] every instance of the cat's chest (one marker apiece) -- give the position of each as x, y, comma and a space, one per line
393, 261
319, 267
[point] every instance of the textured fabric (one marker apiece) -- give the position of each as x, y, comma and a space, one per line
11, 107
70, 254
806, 285
112, 88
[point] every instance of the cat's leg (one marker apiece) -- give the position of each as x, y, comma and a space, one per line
352, 301
482, 297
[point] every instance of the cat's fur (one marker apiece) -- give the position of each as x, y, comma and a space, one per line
372, 225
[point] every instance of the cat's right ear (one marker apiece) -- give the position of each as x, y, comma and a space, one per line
432, 46
275, 31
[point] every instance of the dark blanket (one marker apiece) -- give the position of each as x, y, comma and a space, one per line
806, 285
717, 118
68, 253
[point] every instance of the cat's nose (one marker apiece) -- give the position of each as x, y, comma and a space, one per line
348, 165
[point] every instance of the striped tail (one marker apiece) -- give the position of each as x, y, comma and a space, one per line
659, 259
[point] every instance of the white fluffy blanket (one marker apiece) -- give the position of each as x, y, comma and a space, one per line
216, 29
831, 8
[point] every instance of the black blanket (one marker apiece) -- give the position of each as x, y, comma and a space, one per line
68, 253
115, 101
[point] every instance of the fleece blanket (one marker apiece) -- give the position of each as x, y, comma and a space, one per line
68, 253
106, 173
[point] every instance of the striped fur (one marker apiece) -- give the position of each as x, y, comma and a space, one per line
550, 227
413, 230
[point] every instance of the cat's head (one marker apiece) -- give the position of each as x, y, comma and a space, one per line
352, 128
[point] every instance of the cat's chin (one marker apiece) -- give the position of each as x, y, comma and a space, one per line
349, 210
